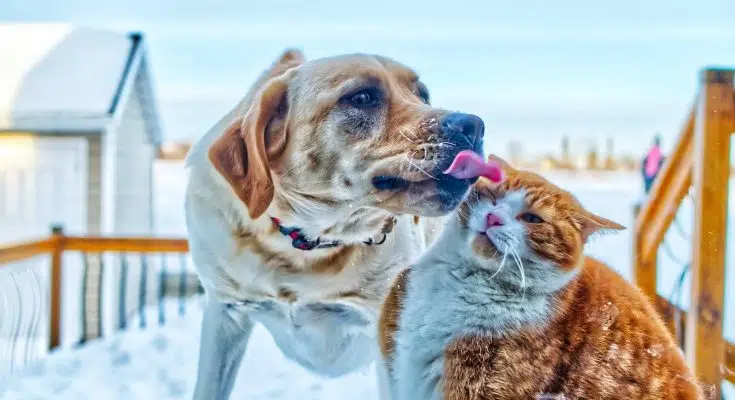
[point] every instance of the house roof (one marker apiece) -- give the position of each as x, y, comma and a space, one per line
61, 78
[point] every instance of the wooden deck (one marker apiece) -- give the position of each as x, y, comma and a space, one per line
58, 244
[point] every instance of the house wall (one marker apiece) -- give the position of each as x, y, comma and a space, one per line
94, 187
134, 184
132, 210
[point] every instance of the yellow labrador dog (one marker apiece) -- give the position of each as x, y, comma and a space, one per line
304, 202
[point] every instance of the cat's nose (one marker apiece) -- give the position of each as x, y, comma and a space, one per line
493, 220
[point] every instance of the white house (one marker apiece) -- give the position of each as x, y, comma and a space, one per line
79, 131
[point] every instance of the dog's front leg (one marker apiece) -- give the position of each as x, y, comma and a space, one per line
225, 333
383, 376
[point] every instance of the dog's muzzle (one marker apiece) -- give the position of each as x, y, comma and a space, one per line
465, 131
462, 132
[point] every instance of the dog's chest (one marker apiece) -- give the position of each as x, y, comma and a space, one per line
325, 336
325, 321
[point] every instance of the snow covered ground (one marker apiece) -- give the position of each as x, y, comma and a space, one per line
160, 362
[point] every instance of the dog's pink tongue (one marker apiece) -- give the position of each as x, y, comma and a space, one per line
468, 164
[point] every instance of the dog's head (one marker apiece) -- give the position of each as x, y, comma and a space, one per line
343, 133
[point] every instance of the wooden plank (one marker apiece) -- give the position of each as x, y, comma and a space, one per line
671, 186
728, 370
705, 344
645, 269
674, 317
93, 244
57, 253
654, 217
23, 251
131, 245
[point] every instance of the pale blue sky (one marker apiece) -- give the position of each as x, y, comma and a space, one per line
534, 70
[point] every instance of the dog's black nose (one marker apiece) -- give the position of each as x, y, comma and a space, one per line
468, 126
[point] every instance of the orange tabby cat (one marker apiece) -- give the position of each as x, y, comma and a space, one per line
506, 306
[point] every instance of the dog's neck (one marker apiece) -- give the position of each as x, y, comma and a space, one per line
337, 226
301, 241
345, 224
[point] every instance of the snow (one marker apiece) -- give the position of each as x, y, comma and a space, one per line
160, 362
45, 79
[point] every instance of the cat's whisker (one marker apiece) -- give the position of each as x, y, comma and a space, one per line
502, 261
519, 263
464, 214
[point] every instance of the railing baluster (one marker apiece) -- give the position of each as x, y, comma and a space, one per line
122, 294
100, 281
143, 288
705, 345
85, 289
57, 250
4, 332
36, 319
162, 290
17, 322
182, 285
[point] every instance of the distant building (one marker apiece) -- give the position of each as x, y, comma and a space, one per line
79, 129
592, 158
173, 151
610, 163
566, 158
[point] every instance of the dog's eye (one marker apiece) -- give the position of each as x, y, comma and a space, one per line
364, 98
531, 218
361, 98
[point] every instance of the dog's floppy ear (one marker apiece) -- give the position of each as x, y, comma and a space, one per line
243, 153
290, 58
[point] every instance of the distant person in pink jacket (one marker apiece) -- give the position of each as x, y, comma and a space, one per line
652, 163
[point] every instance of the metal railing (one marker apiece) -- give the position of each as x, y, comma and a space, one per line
115, 280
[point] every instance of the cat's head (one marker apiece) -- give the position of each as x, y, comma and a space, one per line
527, 219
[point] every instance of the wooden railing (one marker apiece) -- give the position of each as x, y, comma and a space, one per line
57, 245
699, 163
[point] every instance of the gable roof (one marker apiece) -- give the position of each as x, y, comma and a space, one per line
61, 78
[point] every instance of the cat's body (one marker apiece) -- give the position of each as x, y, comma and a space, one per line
457, 327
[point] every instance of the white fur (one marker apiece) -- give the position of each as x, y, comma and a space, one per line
329, 337
452, 293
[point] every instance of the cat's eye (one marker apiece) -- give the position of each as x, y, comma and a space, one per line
493, 197
531, 218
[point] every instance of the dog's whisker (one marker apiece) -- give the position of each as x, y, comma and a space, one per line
285, 173
401, 131
411, 164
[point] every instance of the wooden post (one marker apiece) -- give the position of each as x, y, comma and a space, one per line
705, 345
644, 268
57, 234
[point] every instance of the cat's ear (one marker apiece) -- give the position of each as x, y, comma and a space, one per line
492, 158
592, 224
